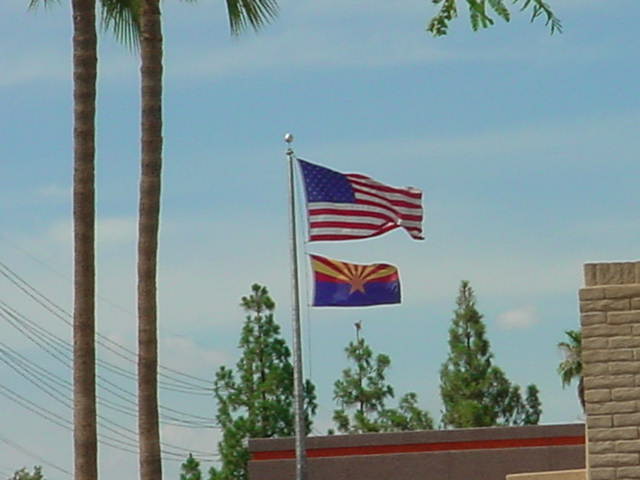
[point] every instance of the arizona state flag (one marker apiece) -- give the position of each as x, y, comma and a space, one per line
342, 284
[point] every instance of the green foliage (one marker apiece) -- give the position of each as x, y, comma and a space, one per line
571, 367
191, 469
24, 474
533, 409
122, 17
408, 416
256, 399
480, 17
476, 393
364, 390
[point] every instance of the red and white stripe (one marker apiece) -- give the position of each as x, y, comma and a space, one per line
378, 209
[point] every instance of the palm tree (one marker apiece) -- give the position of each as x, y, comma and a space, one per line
241, 13
84, 103
150, 461
571, 367
118, 15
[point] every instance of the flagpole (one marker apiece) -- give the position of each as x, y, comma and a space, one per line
298, 391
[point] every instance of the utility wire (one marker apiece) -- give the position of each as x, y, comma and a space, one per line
51, 383
105, 439
60, 350
103, 340
64, 315
44, 461
67, 401
125, 373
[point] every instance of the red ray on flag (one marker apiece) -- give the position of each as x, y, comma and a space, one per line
343, 284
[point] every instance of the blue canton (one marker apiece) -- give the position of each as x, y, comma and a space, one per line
325, 185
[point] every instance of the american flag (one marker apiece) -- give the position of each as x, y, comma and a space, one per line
350, 206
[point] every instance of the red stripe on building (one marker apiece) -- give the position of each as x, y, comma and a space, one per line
422, 447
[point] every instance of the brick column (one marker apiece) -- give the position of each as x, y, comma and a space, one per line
610, 319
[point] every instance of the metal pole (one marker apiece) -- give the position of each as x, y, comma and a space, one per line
298, 390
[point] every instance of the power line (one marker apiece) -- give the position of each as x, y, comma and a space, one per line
184, 386
44, 461
67, 401
117, 443
60, 350
180, 385
59, 388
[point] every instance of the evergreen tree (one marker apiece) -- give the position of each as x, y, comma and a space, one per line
534, 406
256, 400
191, 469
364, 389
408, 416
24, 474
476, 393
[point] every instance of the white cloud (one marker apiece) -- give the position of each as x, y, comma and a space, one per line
183, 354
303, 50
519, 318
550, 140
54, 192
60, 233
195, 440
109, 231
32, 66
356, 41
116, 230
581, 4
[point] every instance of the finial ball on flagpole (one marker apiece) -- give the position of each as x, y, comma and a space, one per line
288, 137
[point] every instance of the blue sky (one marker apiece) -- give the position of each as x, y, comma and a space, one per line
525, 145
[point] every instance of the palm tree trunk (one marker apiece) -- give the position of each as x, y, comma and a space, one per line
84, 97
148, 224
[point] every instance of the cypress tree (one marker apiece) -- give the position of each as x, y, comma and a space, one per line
476, 393
191, 469
24, 474
363, 389
256, 399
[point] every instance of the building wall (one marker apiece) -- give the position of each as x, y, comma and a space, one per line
465, 454
610, 318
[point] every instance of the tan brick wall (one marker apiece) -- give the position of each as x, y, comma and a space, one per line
610, 319
559, 475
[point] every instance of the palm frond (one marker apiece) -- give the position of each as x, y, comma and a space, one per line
571, 366
122, 17
250, 13
33, 4
568, 370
